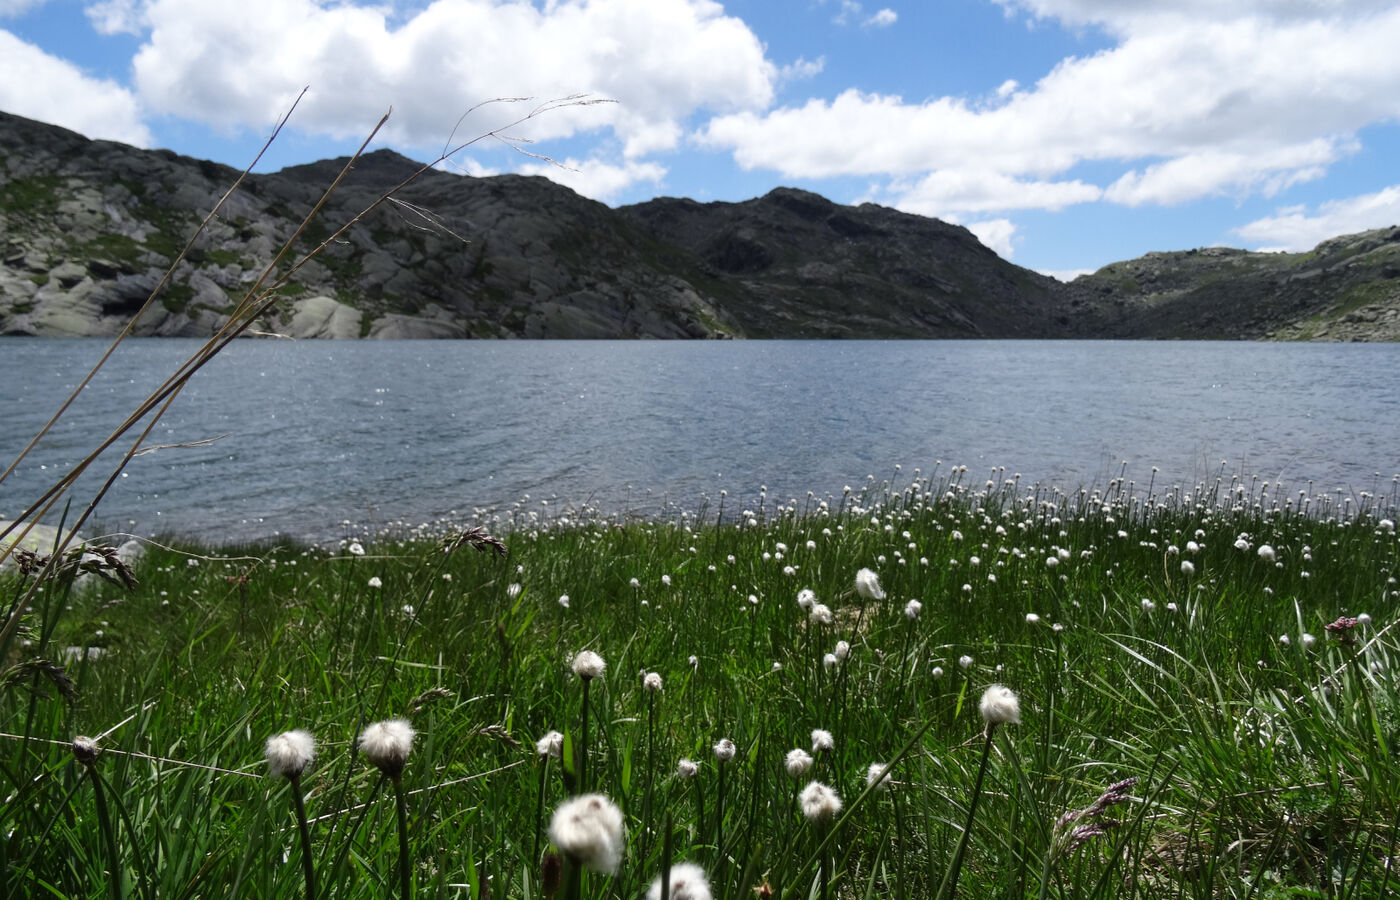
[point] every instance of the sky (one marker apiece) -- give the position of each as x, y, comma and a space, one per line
1065, 134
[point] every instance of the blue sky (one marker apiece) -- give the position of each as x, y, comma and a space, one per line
1066, 134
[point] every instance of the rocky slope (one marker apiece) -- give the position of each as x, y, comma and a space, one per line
1345, 289
91, 227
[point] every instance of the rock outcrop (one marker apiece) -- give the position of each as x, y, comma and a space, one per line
1345, 289
92, 230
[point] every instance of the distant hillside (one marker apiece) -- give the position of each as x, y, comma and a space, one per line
1347, 288
90, 228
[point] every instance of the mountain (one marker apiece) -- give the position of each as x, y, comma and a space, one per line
91, 227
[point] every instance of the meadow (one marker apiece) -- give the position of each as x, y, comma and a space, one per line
1201, 701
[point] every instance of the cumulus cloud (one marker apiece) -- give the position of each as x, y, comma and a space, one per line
115, 16
1219, 171
1293, 229
948, 192
882, 19
995, 234
238, 65
1197, 101
802, 69
596, 178
37, 85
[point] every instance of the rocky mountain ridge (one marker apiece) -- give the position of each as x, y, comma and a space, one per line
91, 227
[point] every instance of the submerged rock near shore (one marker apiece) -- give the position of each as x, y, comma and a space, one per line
92, 229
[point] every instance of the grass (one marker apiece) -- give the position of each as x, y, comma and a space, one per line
1262, 757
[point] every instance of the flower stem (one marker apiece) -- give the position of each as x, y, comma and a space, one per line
583, 743
539, 805
573, 888
950, 880
404, 870
308, 867
109, 837
650, 774
719, 818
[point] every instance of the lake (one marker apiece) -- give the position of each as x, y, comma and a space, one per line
323, 433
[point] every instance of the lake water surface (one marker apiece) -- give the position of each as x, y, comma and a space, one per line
371, 432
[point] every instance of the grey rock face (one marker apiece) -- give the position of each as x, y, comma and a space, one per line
90, 228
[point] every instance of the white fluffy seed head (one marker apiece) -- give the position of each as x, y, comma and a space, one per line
868, 585
589, 665
551, 745
820, 614
725, 750
589, 830
289, 753
912, 609
843, 650
798, 763
877, 777
822, 740
688, 882
1000, 706
651, 682
819, 803
687, 768
965, 662
386, 745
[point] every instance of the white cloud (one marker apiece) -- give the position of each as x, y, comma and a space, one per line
16, 8
1065, 275
801, 69
40, 86
595, 178
882, 19
239, 65
995, 234
1293, 229
849, 10
948, 192
1127, 15
1204, 105
467, 165
1220, 171
115, 16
